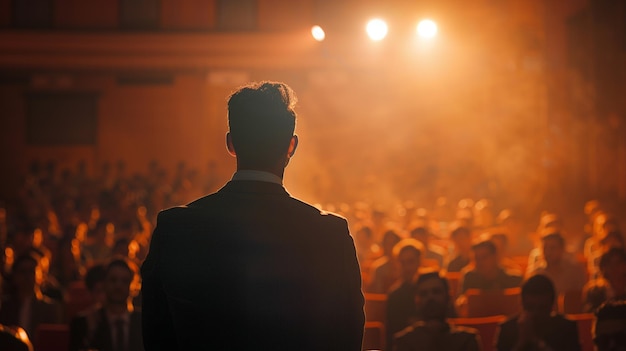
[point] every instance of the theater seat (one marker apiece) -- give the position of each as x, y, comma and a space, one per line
486, 326
482, 303
52, 337
375, 307
374, 336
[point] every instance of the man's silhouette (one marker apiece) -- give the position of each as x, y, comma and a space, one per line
250, 267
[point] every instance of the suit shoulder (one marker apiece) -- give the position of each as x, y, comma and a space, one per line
328, 216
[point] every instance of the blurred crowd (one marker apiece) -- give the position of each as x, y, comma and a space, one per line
72, 243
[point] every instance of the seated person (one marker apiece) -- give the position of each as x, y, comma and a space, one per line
401, 310
606, 241
564, 271
547, 221
609, 330
501, 240
433, 332
487, 274
115, 326
611, 285
384, 272
433, 255
461, 236
26, 306
536, 327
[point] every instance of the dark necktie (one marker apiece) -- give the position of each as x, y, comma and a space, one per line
119, 335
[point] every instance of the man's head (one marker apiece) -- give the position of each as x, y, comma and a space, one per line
262, 122
538, 296
119, 281
408, 253
486, 258
432, 296
462, 238
609, 329
553, 246
613, 265
94, 281
390, 239
26, 273
420, 232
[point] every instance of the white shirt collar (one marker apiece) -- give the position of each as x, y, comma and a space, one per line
262, 176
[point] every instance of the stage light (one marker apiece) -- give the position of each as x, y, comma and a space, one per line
376, 29
427, 29
318, 33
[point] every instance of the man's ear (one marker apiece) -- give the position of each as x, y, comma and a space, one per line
229, 145
293, 145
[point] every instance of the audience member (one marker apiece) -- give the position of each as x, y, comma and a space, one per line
537, 327
611, 285
97, 248
384, 269
94, 282
401, 310
603, 236
487, 273
547, 221
566, 273
609, 329
115, 326
25, 306
432, 332
501, 240
433, 255
461, 236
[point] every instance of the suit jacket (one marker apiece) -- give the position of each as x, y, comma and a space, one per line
559, 334
250, 267
93, 331
418, 337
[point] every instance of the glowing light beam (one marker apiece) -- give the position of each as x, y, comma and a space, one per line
376, 29
318, 33
427, 29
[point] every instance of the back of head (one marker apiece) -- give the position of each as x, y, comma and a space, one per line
261, 120
408, 244
539, 285
609, 329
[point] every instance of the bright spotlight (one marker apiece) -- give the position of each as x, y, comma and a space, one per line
318, 33
376, 29
427, 29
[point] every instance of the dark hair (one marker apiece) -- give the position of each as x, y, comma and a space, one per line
433, 275
487, 244
261, 121
29, 256
612, 309
408, 244
556, 235
94, 275
459, 230
539, 285
391, 235
615, 252
123, 263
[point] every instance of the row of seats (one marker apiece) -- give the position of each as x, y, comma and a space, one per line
55, 337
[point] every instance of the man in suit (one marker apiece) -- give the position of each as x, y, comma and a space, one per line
250, 267
537, 328
25, 306
432, 331
115, 326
